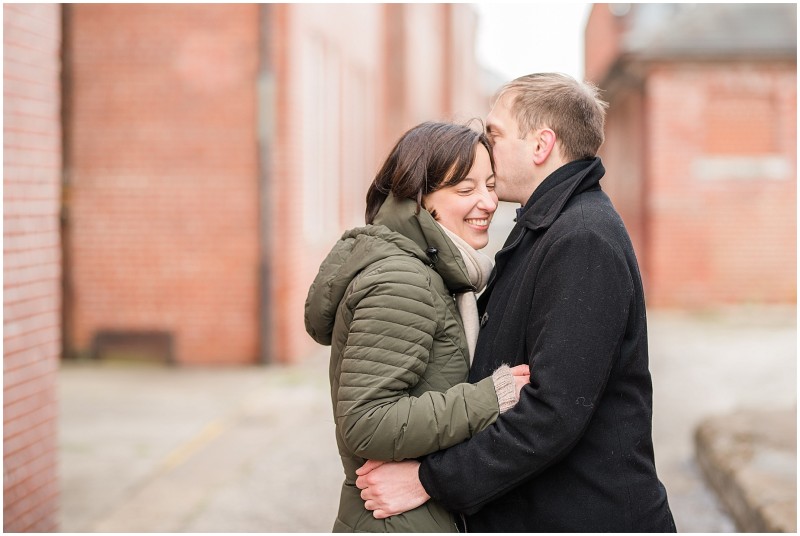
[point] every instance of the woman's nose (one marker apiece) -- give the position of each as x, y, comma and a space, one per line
488, 202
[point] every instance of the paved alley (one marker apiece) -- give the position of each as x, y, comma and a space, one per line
152, 449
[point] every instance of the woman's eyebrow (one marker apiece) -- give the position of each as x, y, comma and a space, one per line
470, 179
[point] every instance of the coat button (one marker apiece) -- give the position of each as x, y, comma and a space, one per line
484, 318
433, 254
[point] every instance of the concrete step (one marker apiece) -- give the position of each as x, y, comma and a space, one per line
749, 457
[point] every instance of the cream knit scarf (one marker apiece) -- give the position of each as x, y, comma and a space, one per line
479, 266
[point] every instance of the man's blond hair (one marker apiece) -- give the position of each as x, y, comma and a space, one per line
573, 110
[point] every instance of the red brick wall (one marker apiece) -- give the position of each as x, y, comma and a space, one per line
623, 154
31, 271
163, 170
702, 165
435, 65
343, 99
328, 110
601, 42
466, 99
721, 178
425, 74
166, 121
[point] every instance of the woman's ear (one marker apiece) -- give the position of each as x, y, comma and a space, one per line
544, 141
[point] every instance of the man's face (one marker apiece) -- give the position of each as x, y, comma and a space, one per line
513, 157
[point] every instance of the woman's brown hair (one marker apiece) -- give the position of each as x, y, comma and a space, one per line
428, 157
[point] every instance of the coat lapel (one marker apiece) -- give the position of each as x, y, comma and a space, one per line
543, 208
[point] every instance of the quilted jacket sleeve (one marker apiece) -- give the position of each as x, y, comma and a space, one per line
387, 351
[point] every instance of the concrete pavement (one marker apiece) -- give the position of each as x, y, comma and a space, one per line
713, 365
750, 459
152, 449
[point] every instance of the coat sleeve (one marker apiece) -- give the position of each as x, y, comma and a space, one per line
578, 320
387, 351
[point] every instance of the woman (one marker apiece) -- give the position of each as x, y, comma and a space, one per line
384, 301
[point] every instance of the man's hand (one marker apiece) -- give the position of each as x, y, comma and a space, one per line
390, 488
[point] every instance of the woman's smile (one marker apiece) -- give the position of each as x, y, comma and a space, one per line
480, 224
466, 208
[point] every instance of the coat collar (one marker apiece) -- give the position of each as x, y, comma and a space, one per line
549, 199
430, 244
544, 206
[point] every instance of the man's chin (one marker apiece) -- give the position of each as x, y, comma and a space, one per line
502, 194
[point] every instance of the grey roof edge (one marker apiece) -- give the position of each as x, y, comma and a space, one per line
712, 30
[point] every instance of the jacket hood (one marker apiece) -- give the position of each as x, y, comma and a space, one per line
397, 230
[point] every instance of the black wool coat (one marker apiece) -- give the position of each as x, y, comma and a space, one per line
576, 453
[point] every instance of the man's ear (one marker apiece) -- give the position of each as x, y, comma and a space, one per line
545, 141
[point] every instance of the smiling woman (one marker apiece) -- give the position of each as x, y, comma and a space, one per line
466, 208
401, 345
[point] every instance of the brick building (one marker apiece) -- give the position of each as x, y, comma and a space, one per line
701, 145
31, 265
213, 153
174, 174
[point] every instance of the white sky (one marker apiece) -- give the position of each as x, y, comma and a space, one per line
518, 39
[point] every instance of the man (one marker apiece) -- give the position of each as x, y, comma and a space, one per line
576, 453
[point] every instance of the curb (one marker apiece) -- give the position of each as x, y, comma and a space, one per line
750, 460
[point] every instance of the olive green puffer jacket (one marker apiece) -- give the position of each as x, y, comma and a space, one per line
398, 354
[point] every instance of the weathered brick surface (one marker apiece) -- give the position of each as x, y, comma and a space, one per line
406, 64
715, 236
32, 269
313, 128
702, 165
163, 175
216, 152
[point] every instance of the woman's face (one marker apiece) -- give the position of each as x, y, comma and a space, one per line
466, 208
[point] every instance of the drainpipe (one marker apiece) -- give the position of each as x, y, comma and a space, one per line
67, 343
266, 109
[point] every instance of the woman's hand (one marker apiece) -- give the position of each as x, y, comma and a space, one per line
522, 377
508, 382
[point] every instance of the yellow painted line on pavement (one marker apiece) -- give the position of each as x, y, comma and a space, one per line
208, 434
